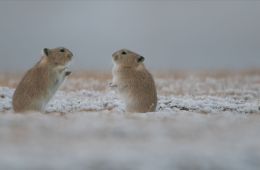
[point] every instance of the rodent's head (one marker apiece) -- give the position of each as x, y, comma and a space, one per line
127, 58
58, 56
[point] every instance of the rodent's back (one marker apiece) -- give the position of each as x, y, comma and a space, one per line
30, 89
140, 92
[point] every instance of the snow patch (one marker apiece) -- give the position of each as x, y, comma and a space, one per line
89, 101
209, 124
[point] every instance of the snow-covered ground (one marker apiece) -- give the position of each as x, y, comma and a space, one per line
201, 122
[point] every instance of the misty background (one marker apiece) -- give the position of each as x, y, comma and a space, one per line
169, 34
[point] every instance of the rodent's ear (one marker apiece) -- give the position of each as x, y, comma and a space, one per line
46, 51
140, 59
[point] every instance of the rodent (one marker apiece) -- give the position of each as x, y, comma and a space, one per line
133, 82
41, 82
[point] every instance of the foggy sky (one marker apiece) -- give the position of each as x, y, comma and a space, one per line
169, 34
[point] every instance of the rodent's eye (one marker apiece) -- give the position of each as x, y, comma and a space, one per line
62, 50
123, 53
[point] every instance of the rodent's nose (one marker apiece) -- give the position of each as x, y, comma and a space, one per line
70, 55
115, 57
115, 53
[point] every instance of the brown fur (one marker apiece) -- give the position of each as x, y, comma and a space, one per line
133, 82
41, 82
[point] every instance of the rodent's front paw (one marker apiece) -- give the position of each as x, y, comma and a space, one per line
112, 85
67, 73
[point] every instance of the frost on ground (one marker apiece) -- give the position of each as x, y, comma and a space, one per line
202, 122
